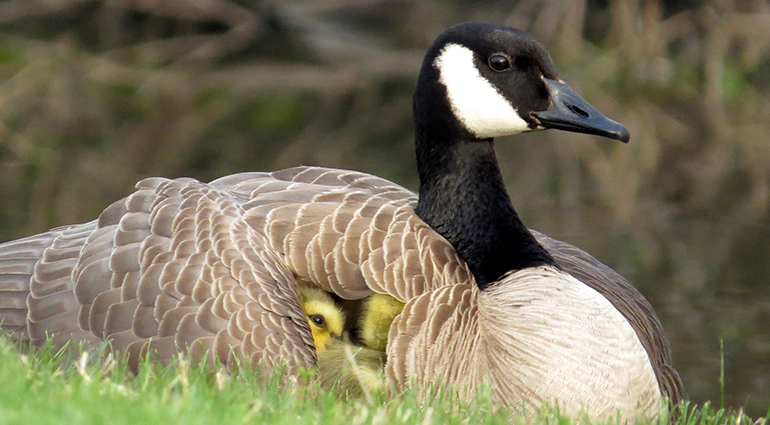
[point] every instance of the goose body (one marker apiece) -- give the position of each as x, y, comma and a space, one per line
212, 268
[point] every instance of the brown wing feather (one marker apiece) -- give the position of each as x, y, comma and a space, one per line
52, 307
347, 232
174, 263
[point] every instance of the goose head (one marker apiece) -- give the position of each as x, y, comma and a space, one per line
480, 81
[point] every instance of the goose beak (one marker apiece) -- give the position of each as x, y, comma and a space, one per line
570, 112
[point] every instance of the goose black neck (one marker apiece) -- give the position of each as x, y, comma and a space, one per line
463, 198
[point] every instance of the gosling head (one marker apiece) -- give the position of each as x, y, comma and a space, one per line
481, 81
325, 317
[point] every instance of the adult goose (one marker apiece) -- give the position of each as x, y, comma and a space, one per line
181, 265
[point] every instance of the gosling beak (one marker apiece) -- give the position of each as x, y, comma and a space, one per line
570, 112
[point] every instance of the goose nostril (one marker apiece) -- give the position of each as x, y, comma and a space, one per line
578, 111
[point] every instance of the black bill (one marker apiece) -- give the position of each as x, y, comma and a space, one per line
570, 112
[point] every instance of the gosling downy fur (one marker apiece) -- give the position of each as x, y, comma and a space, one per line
377, 316
210, 268
351, 370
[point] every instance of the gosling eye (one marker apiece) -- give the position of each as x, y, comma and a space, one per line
499, 62
318, 320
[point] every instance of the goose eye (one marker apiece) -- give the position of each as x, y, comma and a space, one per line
499, 62
318, 320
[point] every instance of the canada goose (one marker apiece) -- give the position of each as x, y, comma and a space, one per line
211, 268
325, 318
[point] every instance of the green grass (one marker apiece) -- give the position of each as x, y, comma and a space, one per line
48, 387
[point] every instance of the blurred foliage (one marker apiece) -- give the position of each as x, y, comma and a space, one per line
95, 95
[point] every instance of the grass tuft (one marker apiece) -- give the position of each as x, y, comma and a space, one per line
46, 386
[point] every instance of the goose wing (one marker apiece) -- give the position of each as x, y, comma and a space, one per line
350, 233
211, 268
35, 286
626, 299
174, 266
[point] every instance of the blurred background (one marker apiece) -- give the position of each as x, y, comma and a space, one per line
95, 95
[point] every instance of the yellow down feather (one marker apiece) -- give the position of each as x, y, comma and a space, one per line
378, 315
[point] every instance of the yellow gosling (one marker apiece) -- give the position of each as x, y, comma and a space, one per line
347, 368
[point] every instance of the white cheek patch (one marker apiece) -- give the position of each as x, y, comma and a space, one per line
475, 102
